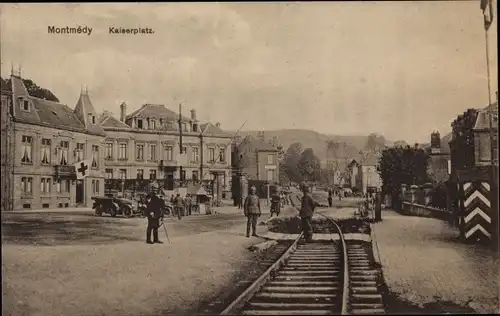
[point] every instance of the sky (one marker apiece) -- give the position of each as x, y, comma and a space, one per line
400, 69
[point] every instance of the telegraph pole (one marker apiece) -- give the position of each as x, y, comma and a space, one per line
180, 144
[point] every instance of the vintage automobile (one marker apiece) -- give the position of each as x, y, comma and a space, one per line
115, 206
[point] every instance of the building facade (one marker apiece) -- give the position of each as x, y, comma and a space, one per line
48, 139
145, 146
367, 174
255, 162
7, 151
439, 160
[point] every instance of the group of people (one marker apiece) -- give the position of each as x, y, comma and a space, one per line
252, 210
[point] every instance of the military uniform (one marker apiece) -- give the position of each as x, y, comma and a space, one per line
306, 213
153, 213
275, 204
252, 211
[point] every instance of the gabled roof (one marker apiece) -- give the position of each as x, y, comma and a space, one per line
209, 129
82, 110
111, 122
370, 160
44, 112
483, 117
156, 111
258, 144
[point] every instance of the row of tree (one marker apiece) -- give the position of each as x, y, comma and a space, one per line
298, 165
33, 89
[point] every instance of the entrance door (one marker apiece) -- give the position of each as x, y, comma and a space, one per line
170, 181
79, 192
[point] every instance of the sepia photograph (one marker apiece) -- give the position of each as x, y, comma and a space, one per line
249, 158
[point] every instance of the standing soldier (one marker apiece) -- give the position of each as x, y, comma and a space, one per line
306, 213
179, 205
187, 204
330, 197
153, 213
252, 211
275, 204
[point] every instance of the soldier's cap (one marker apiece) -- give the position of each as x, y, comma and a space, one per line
253, 188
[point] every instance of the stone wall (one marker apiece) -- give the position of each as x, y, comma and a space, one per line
424, 211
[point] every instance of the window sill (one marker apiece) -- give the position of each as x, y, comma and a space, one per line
26, 163
140, 160
45, 164
26, 197
122, 159
108, 158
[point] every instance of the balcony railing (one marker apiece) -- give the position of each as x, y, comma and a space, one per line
64, 171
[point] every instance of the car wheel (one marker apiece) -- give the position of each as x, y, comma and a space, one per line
98, 211
127, 211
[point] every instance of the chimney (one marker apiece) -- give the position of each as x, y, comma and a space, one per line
261, 136
123, 111
193, 114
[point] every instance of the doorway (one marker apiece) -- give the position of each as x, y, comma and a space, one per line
170, 181
79, 192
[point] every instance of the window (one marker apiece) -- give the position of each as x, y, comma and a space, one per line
153, 124
152, 152
79, 152
195, 127
270, 159
222, 155
45, 184
184, 150
109, 173
139, 152
27, 185
211, 154
27, 149
123, 174
170, 125
195, 176
183, 126
270, 175
484, 147
183, 175
95, 156
25, 105
97, 187
139, 123
169, 153
45, 151
122, 154
109, 151
195, 154
63, 153
140, 173
62, 186
93, 121
152, 174
93, 186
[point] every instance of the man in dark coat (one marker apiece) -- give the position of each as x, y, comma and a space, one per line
306, 213
275, 204
179, 205
330, 197
252, 211
153, 213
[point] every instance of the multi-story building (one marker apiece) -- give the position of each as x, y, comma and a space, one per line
367, 174
48, 139
438, 167
254, 161
146, 145
7, 153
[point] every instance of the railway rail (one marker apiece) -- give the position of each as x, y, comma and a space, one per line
317, 278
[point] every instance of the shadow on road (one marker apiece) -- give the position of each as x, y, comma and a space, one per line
50, 229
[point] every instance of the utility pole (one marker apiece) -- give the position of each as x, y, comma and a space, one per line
180, 144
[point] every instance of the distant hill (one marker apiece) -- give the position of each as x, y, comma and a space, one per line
314, 140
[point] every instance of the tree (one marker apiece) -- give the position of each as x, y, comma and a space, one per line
402, 165
33, 89
290, 162
375, 142
309, 165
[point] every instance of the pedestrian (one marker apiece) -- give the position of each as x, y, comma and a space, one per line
275, 204
179, 205
340, 194
153, 213
252, 211
187, 204
306, 213
330, 197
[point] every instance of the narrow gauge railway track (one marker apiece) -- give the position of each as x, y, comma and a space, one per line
318, 278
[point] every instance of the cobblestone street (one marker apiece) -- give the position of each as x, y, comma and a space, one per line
424, 263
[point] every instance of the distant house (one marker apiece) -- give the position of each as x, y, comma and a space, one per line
367, 174
352, 172
254, 160
439, 159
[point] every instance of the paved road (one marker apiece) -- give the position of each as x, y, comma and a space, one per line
77, 226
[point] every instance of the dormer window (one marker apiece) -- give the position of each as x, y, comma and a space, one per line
25, 104
93, 119
140, 123
195, 127
153, 124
